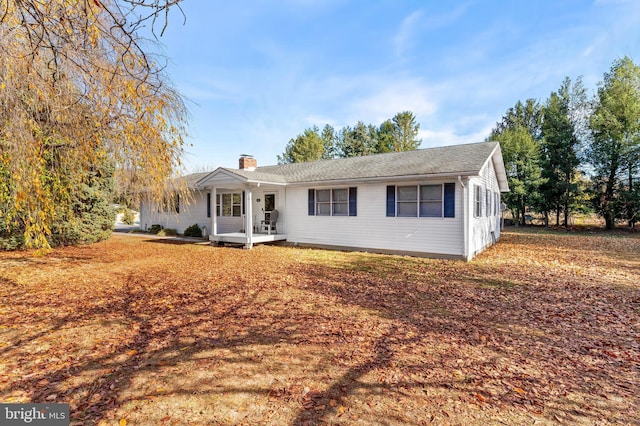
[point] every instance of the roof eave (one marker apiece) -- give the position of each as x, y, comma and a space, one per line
380, 179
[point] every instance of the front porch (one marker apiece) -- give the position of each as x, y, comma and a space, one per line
241, 238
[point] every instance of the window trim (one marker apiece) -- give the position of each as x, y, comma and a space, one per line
350, 202
446, 202
477, 210
221, 204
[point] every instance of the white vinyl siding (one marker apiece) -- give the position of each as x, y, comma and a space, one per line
485, 221
192, 210
371, 228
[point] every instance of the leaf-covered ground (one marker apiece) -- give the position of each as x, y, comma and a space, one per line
543, 328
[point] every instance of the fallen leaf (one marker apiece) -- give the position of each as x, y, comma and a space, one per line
519, 390
123, 422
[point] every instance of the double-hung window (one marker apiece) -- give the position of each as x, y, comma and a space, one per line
407, 201
333, 202
421, 200
477, 211
229, 204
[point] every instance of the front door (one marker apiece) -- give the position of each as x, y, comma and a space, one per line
269, 205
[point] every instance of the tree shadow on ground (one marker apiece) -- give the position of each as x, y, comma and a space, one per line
547, 339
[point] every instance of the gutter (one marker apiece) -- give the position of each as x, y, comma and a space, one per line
382, 179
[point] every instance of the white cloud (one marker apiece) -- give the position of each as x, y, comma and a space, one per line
419, 21
404, 34
449, 136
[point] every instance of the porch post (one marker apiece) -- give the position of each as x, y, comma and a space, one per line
248, 226
214, 216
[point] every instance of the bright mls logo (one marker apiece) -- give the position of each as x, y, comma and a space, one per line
34, 414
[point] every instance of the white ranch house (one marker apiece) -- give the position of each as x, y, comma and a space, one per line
437, 202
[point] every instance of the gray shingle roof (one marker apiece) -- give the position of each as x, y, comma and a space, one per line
457, 159
466, 160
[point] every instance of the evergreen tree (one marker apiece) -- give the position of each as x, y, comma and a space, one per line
405, 132
308, 146
329, 137
560, 146
615, 143
521, 154
357, 141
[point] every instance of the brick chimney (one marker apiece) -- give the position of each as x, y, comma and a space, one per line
247, 162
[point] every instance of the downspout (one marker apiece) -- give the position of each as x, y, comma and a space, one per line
465, 220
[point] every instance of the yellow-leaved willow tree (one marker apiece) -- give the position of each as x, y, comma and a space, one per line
79, 94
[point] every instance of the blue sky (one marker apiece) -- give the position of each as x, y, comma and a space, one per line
257, 73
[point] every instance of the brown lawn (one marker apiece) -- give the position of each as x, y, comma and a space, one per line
541, 329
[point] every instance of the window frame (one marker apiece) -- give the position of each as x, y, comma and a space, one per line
227, 206
415, 201
327, 202
440, 201
477, 210
419, 201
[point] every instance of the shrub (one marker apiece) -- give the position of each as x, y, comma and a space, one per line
89, 216
155, 228
11, 241
168, 232
127, 216
193, 231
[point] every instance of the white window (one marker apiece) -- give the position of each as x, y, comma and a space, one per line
430, 200
340, 202
229, 204
332, 202
477, 212
407, 201
323, 202
421, 200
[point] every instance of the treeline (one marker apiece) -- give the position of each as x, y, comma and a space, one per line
574, 153
396, 134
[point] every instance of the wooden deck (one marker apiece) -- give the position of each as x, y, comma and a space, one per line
241, 238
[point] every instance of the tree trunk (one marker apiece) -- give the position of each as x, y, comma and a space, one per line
609, 214
567, 182
630, 204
